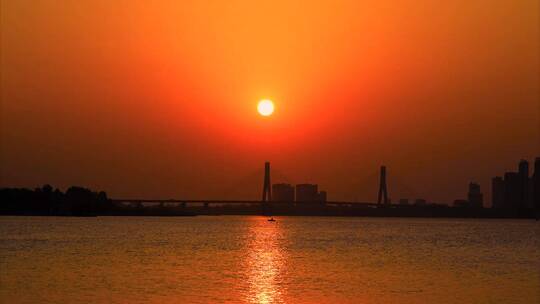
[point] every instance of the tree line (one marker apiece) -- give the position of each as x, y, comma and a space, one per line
76, 201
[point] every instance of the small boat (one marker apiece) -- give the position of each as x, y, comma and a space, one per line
271, 219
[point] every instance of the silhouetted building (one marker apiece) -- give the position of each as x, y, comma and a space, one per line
322, 196
282, 193
420, 202
475, 197
461, 203
530, 193
497, 192
307, 193
512, 190
517, 191
536, 185
523, 172
404, 201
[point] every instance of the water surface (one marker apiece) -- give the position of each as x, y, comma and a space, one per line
245, 259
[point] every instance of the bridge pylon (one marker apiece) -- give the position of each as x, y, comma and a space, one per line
383, 192
267, 189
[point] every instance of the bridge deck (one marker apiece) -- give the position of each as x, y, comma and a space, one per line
199, 201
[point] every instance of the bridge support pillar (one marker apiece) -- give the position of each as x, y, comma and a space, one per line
267, 189
383, 193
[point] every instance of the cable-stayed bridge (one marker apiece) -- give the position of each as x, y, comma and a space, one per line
266, 194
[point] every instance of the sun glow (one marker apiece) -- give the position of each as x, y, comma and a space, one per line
265, 107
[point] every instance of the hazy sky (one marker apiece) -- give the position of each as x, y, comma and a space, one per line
157, 99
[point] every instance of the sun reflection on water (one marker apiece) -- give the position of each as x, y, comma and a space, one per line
265, 263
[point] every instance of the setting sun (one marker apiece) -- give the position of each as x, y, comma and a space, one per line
265, 107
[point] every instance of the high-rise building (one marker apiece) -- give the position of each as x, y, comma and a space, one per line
536, 185
512, 190
517, 189
282, 193
497, 192
530, 193
523, 172
475, 197
322, 196
523, 167
307, 193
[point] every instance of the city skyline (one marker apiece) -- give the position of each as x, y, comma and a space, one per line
516, 191
517, 195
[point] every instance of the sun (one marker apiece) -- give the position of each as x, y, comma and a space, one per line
265, 107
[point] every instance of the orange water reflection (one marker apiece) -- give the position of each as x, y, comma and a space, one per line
266, 262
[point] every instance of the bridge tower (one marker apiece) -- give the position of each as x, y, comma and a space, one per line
382, 187
267, 189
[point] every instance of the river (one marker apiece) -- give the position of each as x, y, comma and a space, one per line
246, 259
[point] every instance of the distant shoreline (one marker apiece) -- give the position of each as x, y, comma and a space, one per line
83, 202
411, 212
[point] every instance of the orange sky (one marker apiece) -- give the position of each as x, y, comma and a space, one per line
158, 98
